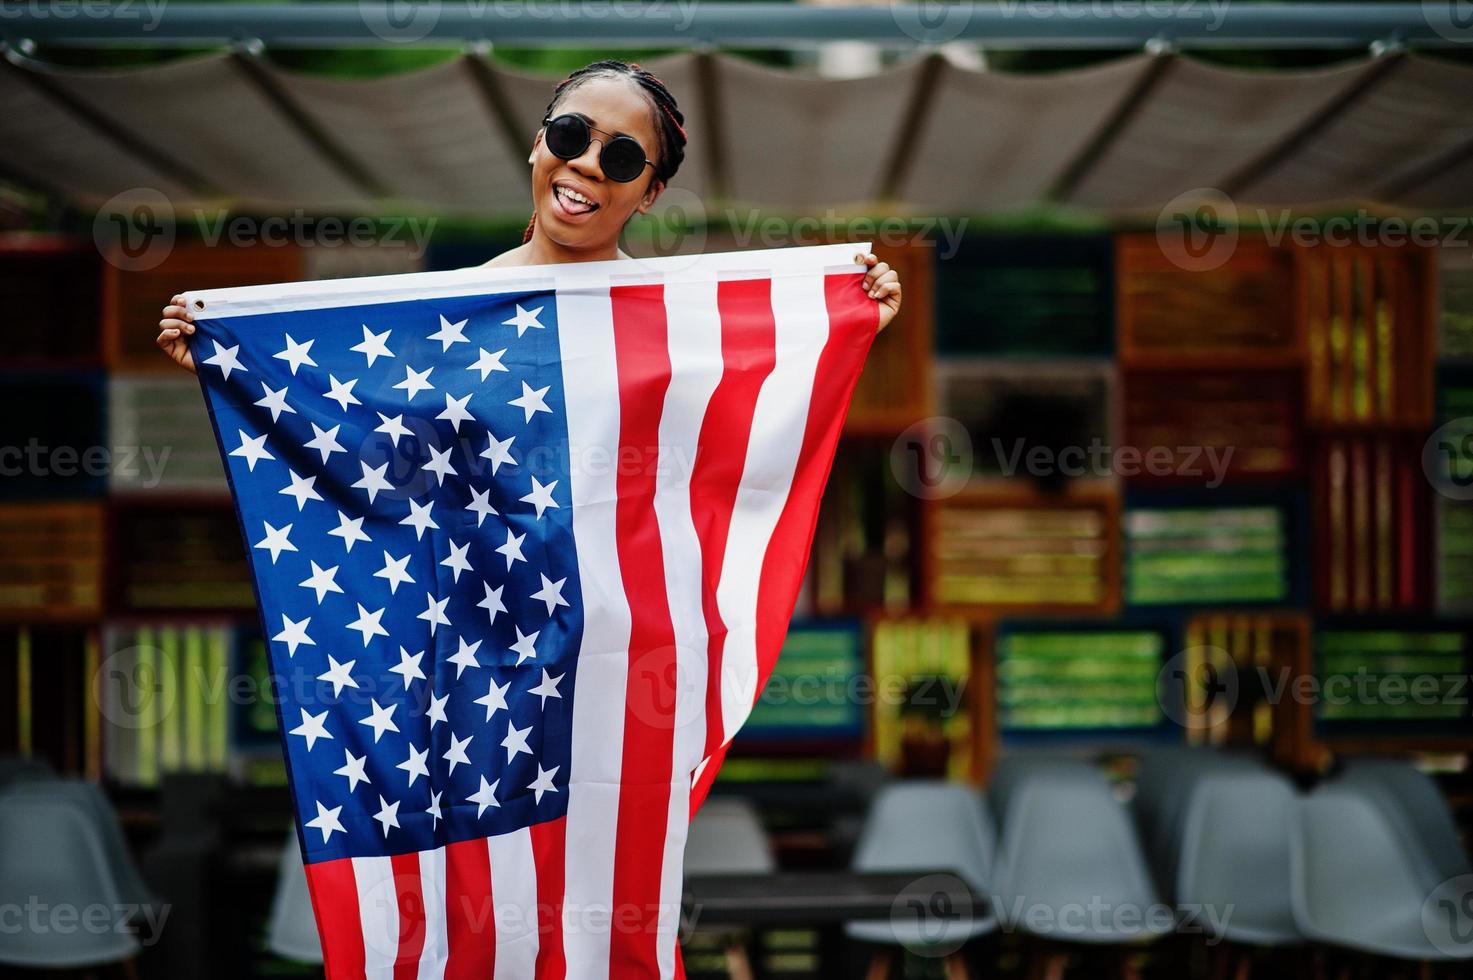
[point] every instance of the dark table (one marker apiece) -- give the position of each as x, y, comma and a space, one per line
812, 898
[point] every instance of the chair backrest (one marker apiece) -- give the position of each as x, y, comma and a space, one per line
923, 824
89, 799
291, 930
1234, 865
1354, 877
727, 837
1163, 789
1068, 849
51, 855
1012, 772
1416, 807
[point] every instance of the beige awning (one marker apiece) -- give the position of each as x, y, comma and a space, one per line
926, 136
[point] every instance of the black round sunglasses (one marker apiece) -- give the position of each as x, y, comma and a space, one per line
568, 135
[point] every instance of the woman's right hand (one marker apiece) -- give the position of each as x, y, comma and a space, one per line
174, 331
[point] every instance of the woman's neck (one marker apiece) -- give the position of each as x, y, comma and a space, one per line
542, 251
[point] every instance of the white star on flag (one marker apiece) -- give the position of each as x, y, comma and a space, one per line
419, 518
524, 319
484, 797
551, 593
455, 755
312, 728
498, 451
414, 382
415, 764
252, 449
531, 401
388, 814
324, 442
396, 570
408, 667
455, 412
492, 600
296, 354
373, 479
457, 561
276, 540
487, 363
342, 392
512, 549
301, 489
440, 464
350, 529
541, 496
543, 782
380, 719
515, 741
294, 634
465, 656
226, 360
326, 821
338, 675
523, 647
275, 401
480, 505
435, 612
547, 688
374, 345
392, 427
449, 333
353, 768
495, 698
367, 623
322, 581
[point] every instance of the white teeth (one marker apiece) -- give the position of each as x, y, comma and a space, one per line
569, 192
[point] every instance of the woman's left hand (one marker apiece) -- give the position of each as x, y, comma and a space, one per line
882, 283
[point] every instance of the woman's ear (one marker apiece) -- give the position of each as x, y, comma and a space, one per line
651, 195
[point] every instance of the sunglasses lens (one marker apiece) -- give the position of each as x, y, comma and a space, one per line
567, 136
622, 159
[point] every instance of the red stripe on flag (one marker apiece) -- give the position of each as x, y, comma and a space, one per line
409, 893
470, 921
749, 353
643, 365
550, 853
853, 321
334, 892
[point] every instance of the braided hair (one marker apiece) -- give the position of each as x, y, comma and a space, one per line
671, 122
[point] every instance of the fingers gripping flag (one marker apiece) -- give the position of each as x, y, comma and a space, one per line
525, 543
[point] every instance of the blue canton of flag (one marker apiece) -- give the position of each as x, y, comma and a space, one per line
424, 623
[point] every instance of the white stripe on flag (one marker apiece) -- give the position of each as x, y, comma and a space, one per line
378, 910
696, 367
801, 321
586, 334
432, 887
514, 898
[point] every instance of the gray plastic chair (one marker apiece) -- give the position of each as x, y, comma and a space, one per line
1164, 787
89, 800
1417, 809
1012, 772
17, 768
51, 854
1355, 880
1068, 847
291, 930
1235, 857
935, 825
726, 837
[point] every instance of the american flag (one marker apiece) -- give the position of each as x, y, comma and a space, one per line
526, 543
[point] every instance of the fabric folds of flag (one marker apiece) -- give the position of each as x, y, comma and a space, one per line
526, 543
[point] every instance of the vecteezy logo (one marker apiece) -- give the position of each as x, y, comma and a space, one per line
933, 458
932, 916
674, 229
400, 21
1447, 459
1453, 19
1198, 687
1447, 916
129, 687
931, 21
134, 230
1198, 231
